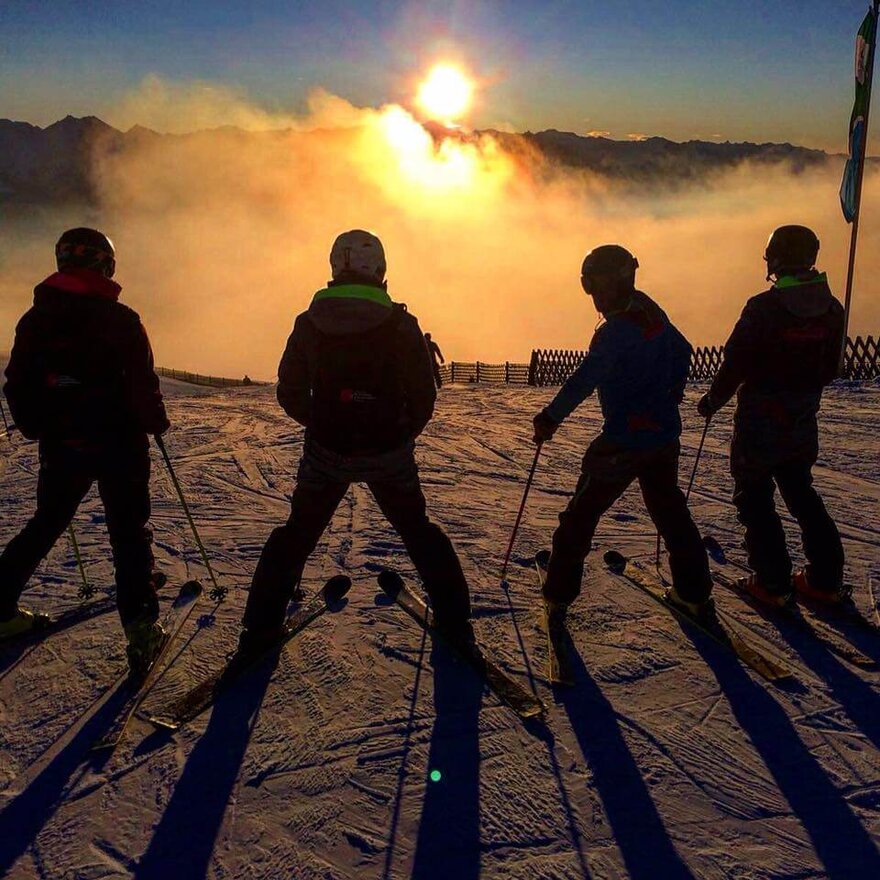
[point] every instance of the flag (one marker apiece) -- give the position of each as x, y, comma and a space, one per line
864, 42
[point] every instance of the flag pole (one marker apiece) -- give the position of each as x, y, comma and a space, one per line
860, 172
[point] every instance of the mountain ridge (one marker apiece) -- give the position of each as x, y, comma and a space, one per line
55, 164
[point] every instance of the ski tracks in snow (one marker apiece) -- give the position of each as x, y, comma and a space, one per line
666, 758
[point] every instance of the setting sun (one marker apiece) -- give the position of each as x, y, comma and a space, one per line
446, 93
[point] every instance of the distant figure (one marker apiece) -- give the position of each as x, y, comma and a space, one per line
783, 351
80, 379
247, 380
638, 362
356, 375
436, 354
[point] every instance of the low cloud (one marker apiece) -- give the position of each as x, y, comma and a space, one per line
223, 238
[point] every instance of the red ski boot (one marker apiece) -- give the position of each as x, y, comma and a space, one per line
837, 595
768, 594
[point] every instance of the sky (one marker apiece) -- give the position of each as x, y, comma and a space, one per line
779, 70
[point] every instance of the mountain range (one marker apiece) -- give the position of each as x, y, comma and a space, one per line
55, 164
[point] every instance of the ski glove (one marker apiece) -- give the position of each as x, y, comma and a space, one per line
545, 427
707, 407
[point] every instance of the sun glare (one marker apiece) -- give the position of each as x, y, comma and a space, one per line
445, 94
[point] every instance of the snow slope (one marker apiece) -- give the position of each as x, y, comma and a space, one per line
668, 759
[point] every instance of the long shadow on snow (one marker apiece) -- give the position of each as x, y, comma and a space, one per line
840, 840
648, 852
448, 843
28, 812
184, 840
855, 695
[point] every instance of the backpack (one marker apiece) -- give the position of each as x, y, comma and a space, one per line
358, 405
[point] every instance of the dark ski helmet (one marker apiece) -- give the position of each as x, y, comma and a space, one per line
790, 249
609, 261
84, 248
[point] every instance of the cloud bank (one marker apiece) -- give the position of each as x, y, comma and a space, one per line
222, 239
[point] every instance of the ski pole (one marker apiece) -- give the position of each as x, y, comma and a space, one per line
86, 591
687, 494
522, 507
218, 593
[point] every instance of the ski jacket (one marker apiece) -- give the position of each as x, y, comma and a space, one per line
638, 362
356, 372
782, 352
81, 372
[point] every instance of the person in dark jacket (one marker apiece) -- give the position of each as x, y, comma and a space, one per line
638, 362
784, 349
357, 375
80, 380
436, 359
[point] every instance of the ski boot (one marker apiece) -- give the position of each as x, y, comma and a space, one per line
459, 633
145, 640
253, 643
802, 585
770, 594
556, 613
704, 611
22, 622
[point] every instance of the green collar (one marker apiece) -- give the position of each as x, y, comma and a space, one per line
355, 291
787, 281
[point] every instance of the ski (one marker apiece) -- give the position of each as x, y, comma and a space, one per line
809, 623
138, 686
791, 616
818, 613
191, 704
506, 688
48, 625
558, 639
722, 633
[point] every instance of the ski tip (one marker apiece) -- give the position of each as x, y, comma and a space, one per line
390, 582
163, 723
714, 549
191, 588
336, 588
614, 560
542, 558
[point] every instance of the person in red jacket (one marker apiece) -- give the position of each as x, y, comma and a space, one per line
80, 380
356, 373
783, 351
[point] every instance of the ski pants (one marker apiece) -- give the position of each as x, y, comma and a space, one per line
606, 473
66, 475
322, 482
755, 483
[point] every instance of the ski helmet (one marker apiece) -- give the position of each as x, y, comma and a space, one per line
85, 248
358, 253
610, 261
791, 248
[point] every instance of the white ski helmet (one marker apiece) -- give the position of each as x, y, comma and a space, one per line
358, 252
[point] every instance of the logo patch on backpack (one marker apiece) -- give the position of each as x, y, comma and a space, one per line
349, 395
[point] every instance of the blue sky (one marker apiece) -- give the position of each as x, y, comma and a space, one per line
745, 70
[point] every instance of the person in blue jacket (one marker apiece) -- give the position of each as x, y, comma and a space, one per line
638, 363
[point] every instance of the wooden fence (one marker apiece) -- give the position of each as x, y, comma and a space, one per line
502, 374
554, 366
212, 381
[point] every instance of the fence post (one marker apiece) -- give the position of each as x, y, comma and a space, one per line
452, 372
478, 371
507, 372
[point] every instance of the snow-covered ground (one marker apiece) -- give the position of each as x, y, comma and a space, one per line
668, 758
